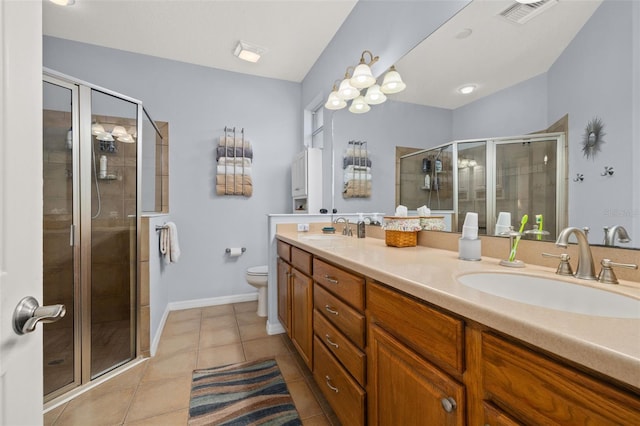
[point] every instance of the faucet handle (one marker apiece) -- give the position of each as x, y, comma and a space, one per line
607, 276
564, 268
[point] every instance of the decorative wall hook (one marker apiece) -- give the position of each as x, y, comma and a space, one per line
608, 171
579, 177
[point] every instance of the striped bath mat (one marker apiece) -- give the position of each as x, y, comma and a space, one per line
248, 393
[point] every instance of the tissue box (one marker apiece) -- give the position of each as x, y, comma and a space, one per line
432, 223
401, 231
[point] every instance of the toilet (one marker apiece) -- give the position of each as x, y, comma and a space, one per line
257, 276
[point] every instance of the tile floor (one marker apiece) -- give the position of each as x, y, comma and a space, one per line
156, 392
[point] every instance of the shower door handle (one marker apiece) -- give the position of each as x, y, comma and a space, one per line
29, 313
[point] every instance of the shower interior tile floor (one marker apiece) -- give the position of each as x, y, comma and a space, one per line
156, 391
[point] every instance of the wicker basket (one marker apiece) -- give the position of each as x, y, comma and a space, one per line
400, 238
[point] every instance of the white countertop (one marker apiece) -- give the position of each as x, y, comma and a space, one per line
608, 345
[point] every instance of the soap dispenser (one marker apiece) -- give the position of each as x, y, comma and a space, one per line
361, 228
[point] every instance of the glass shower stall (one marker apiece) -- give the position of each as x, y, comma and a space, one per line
91, 210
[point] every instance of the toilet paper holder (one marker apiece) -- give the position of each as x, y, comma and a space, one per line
228, 250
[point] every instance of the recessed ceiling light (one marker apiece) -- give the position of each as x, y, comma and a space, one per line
467, 89
249, 52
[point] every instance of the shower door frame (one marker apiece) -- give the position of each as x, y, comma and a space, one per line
82, 223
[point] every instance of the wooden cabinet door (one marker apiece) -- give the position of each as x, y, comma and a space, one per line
302, 314
405, 389
284, 295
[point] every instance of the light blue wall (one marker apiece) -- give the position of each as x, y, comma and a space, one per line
198, 102
594, 78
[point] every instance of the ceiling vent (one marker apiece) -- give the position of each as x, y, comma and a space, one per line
521, 13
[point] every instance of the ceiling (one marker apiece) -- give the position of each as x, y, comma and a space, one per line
206, 32
496, 55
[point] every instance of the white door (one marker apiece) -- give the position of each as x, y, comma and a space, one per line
20, 207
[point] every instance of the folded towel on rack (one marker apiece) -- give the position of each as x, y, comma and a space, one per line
360, 185
237, 188
356, 193
169, 247
356, 161
229, 151
233, 170
238, 161
237, 142
357, 169
356, 176
356, 152
222, 179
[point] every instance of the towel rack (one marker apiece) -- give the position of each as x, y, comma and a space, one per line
357, 170
160, 228
238, 157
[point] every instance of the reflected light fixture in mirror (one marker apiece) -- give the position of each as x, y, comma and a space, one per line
346, 90
392, 82
374, 96
362, 77
334, 101
118, 131
97, 128
359, 106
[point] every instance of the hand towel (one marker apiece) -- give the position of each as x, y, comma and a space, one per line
237, 189
234, 143
356, 169
232, 180
233, 170
234, 161
169, 247
356, 176
356, 161
222, 151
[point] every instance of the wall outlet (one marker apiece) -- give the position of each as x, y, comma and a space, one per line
303, 227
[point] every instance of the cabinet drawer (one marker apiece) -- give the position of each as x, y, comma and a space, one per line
345, 285
433, 334
562, 394
494, 417
284, 251
352, 358
301, 260
346, 319
345, 396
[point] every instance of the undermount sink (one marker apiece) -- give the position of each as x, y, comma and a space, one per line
554, 294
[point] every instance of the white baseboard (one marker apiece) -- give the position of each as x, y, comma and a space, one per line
212, 301
200, 303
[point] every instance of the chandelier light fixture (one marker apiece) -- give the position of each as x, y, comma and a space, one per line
361, 88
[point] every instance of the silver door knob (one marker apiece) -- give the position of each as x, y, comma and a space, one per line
29, 313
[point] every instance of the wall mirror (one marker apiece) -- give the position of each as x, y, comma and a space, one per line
578, 59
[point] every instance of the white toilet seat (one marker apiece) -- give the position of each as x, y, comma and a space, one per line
258, 270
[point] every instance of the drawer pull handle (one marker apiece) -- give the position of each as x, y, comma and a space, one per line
335, 345
330, 310
333, 388
449, 404
330, 279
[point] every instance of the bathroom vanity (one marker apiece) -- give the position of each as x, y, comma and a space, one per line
398, 340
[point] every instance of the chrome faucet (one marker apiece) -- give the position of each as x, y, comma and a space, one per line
610, 235
585, 269
346, 230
